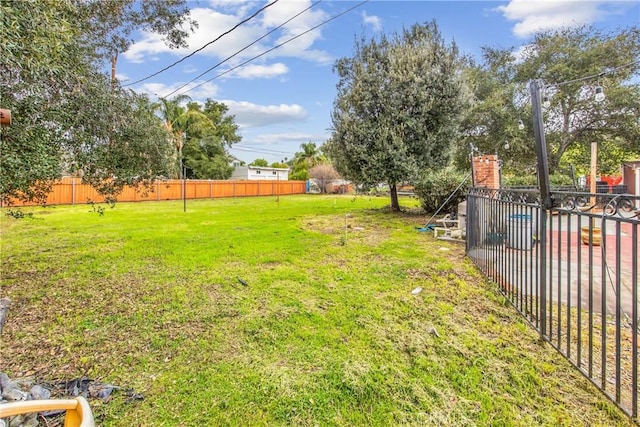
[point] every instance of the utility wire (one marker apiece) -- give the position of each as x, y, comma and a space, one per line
275, 47
591, 77
248, 148
266, 151
241, 50
203, 47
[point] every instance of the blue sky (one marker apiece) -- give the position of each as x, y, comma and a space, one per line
284, 98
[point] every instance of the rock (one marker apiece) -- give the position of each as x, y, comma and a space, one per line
16, 421
416, 291
24, 420
14, 394
38, 392
4, 310
31, 420
4, 381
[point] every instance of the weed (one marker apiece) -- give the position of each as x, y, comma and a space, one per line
18, 214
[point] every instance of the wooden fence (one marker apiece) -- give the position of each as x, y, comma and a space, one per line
70, 191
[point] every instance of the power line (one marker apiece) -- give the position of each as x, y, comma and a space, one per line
241, 50
261, 150
275, 47
207, 44
594, 76
265, 153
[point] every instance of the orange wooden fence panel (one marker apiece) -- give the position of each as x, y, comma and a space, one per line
70, 191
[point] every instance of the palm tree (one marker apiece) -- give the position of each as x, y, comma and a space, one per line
309, 153
180, 121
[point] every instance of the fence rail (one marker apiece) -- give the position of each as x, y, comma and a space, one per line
71, 191
572, 272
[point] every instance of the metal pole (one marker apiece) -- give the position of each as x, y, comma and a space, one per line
473, 176
593, 170
545, 196
541, 145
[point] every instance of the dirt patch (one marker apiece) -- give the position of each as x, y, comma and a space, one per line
344, 228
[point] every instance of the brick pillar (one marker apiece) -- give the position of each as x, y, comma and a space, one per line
486, 173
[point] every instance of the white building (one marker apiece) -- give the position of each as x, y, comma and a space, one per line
255, 173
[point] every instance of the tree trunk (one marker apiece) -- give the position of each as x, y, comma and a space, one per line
114, 61
395, 206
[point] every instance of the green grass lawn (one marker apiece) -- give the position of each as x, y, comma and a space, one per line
326, 332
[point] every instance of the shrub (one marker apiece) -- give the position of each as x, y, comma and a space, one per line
519, 180
436, 186
532, 180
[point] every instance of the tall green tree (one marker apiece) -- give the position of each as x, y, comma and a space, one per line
309, 154
182, 122
127, 147
205, 152
398, 108
68, 117
573, 118
108, 25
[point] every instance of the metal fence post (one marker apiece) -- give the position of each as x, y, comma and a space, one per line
542, 272
545, 195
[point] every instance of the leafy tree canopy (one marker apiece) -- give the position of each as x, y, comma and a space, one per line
260, 162
573, 119
309, 156
398, 107
205, 152
68, 117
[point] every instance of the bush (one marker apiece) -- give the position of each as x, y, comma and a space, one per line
532, 180
519, 180
436, 186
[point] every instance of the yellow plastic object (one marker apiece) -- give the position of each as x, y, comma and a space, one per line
78, 410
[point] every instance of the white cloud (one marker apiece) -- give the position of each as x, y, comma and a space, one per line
222, 16
301, 46
274, 146
250, 115
211, 24
252, 71
247, 114
523, 52
374, 21
239, 7
150, 44
541, 15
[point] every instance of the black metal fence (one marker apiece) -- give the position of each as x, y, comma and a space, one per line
572, 271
